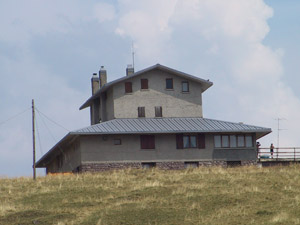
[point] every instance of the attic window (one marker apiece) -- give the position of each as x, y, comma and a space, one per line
185, 86
128, 87
144, 84
169, 83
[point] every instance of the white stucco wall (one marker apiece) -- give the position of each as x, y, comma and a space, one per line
174, 102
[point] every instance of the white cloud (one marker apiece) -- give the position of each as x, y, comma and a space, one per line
231, 34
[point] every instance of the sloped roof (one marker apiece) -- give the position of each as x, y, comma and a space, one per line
205, 83
155, 126
168, 125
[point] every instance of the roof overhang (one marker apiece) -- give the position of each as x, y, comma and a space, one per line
153, 126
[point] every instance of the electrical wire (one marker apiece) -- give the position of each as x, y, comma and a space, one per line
60, 149
51, 120
14, 116
39, 139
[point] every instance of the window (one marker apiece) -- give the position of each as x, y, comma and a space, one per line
225, 141
148, 165
234, 163
128, 87
141, 111
241, 141
189, 141
158, 111
249, 142
217, 140
233, 141
144, 84
117, 142
147, 142
169, 83
191, 164
185, 86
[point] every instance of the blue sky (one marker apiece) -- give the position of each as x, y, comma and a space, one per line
49, 50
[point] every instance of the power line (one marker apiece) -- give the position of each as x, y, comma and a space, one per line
39, 139
52, 120
60, 149
14, 116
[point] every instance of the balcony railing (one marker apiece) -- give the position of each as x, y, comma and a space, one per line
279, 154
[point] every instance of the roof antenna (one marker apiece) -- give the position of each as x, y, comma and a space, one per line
132, 52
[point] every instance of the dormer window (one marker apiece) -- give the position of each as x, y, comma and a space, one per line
185, 86
144, 84
128, 87
169, 83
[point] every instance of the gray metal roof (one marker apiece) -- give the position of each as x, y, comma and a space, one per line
206, 83
154, 125
168, 125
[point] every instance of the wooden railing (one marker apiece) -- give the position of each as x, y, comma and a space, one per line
282, 153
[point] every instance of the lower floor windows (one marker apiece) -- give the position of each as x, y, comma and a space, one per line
191, 164
233, 141
148, 165
189, 141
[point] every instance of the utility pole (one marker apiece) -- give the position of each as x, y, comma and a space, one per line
33, 139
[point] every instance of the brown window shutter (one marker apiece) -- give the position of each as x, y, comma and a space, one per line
147, 141
128, 87
179, 141
158, 111
141, 112
144, 83
151, 142
201, 140
143, 142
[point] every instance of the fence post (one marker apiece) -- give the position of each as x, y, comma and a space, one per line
277, 154
294, 154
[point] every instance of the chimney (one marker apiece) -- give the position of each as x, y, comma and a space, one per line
129, 70
102, 76
95, 83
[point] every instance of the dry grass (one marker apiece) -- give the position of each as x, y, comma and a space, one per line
246, 195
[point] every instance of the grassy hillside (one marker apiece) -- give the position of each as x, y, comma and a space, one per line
247, 195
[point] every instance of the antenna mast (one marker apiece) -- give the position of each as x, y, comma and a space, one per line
278, 129
132, 49
33, 139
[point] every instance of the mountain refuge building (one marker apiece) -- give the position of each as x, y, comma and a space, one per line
151, 118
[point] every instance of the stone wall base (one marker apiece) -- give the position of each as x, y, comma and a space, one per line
175, 165
249, 163
96, 167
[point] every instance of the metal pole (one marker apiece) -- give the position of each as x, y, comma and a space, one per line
33, 139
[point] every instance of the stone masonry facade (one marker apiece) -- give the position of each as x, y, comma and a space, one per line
172, 165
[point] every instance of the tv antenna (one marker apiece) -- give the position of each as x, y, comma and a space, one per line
132, 52
279, 129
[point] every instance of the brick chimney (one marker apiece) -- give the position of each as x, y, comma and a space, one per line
129, 70
95, 83
102, 76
